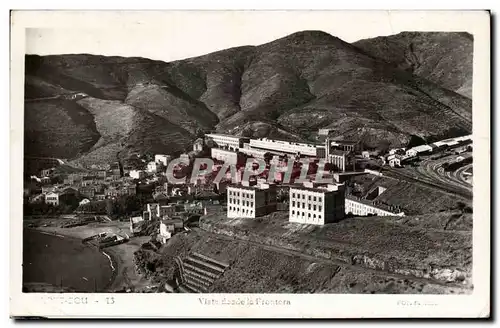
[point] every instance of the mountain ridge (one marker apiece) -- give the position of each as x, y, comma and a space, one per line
287, 88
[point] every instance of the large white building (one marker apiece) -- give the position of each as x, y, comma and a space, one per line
251, 201
288, 147
317, 205
229, 141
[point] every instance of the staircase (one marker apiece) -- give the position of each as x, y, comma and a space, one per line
198, 272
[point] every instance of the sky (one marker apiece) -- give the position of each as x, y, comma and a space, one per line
171, 36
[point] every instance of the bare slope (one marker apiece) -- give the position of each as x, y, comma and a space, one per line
292, 258
440, 57
287, 88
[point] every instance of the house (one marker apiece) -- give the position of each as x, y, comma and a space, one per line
162, 159
165, 232
166, 211
84, 201
52, 198
198, 145
227, 141
99, 196
361, 207
314, 204
418, 150
226, 156
168, 228
70, 191
47, 172
88, 192
397, 151
111, 192
36, 199
137, 174
394, 160
324, 132
48, 189
185, 158
134, 224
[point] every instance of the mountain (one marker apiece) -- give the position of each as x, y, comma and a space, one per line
440, 57
285, 89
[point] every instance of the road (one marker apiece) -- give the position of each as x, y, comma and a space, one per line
355, 268
59, 160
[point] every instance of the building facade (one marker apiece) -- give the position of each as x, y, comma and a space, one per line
137, 174
226, 156
317, 205
281, 146
251, 202
152, 167
163, 159
166, 210
52, 198
358, 208
224, 140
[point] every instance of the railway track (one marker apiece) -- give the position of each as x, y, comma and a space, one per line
445, 187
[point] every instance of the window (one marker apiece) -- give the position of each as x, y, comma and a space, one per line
309, 197
319, 207
314, 198
314, 207
293, 203
309, 206
293, 212
303, 205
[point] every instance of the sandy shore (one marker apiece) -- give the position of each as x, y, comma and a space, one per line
122, 256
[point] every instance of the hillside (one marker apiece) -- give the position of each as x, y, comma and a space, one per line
440, 57
285, 89
357, 255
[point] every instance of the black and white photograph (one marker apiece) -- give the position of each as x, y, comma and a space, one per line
302, 158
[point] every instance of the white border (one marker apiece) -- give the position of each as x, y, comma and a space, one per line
327, 306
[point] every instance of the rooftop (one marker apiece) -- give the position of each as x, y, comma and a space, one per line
224, 135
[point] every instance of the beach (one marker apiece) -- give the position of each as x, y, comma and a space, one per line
82, 268
64, 262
